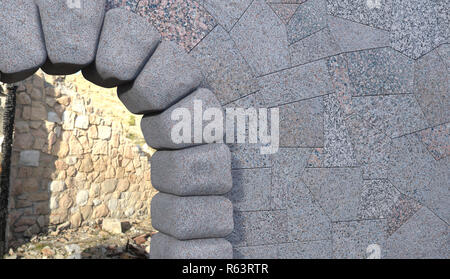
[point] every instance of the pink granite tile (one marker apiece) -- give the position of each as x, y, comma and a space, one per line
437, 140
401, 211
182, 21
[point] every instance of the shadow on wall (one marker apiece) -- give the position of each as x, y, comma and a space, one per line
70, 166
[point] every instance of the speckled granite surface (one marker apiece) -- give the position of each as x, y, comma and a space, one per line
362, 88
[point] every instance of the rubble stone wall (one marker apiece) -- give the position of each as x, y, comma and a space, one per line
70, 163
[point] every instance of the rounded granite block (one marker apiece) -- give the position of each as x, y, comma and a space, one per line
71, 30
157, 129
126, 42
196, 171
167, 247
169, 75
192, 217
22, 47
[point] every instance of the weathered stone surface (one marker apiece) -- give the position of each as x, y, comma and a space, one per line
167, 247
196, 171
29, 158
192, 217
157, 129
261, 37
114, 226
71, 30
22, 49
126, 42
168, 76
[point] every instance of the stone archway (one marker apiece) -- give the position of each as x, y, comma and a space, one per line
118, 48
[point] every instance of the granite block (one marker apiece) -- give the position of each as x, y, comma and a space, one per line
71, 31
157, 129
196, 171
192, 217
168, 76
22, 43
166, 247
126, 43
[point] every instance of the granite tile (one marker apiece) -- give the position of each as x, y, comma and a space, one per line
321, 249
419, 26
319, 45
251, 189
259, 228
338, 150
302, 82
182, 21
309, 18
400, 212
437, 140
380, 71
375, 13
261, 38
338, 190
125, 4
423, 236
351, 36
227, 13
226, 71
316, 158
351, 239
444, 53
256, 252
378, 197
248, 155
396, 115
301, 123
340, 80
284, 11
371, 146
418, 175
286, 1
432, 88
288, 165
307, 220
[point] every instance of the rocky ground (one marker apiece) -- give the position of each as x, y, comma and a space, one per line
88, 243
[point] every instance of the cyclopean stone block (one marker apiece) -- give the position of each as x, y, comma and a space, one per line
71, 30
167, 247
157, 129
126, 42
168, 76
196, 171
22, 47
192, 217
